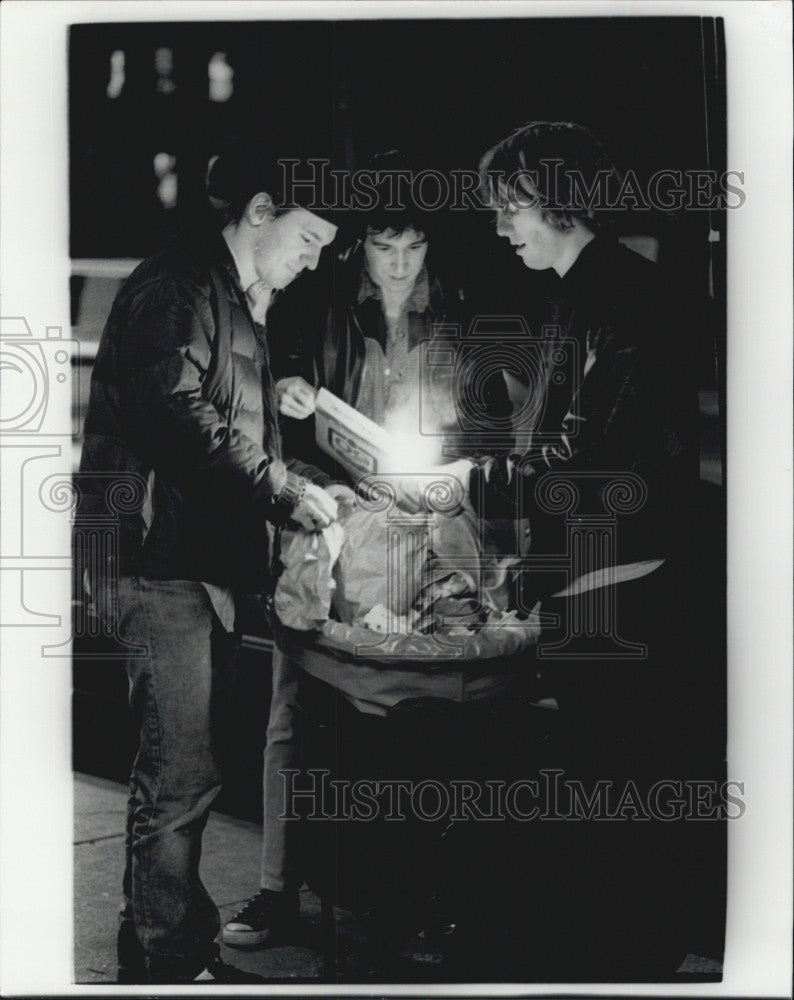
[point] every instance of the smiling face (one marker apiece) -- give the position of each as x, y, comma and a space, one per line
288, 244
538, 243
395, 261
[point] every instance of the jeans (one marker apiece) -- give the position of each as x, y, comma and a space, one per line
281, 868
177, 691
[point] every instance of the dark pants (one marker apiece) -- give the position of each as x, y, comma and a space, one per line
177, 689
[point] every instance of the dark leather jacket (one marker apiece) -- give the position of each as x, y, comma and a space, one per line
618, 403
329, 350
182, 416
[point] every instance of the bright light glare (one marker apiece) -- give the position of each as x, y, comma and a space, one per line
411, 451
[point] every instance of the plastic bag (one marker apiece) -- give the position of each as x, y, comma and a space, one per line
305, 588
382, 562
464, 563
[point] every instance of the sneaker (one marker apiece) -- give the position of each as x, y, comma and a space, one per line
268, 917
218, 971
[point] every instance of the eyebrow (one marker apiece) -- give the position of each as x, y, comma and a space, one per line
385, 243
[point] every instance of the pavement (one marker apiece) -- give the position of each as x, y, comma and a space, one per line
230, 871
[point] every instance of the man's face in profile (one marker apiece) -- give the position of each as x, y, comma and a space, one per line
291, 243
538, 243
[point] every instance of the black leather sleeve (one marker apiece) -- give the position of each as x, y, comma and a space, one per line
607, 428
165, 354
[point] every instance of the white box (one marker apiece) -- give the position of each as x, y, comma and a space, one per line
355, 441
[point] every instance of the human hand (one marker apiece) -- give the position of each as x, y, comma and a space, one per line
419, 491
295, 397
459, 470
316, 509
341, 493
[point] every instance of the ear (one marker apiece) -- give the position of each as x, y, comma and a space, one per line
260, 209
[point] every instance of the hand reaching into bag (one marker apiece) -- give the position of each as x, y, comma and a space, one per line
316, 509
412, 489
343, 494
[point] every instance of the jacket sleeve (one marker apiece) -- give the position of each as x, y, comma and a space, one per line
601, 431
310, 472
489, 415
314, 355
165, 353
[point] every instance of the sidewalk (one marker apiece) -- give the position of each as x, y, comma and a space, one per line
230, 871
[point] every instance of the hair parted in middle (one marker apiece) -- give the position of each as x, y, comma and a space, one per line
395, 208
559, 167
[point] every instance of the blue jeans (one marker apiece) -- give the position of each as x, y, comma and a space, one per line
177, 691
281, 863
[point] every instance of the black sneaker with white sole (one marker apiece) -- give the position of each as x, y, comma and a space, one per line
268, 918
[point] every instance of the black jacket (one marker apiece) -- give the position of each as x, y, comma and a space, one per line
326, 344
182, 448
617, 403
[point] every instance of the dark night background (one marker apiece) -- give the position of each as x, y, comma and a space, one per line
442, 91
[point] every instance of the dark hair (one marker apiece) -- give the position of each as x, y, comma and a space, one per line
243, 165
406, 214
554, 165
240, 167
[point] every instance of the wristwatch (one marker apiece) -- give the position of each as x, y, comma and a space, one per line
290, 495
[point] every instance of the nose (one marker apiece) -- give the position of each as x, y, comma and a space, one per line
312, 258
399, 266
503, 224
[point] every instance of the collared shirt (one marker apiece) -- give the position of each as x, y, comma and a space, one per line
392, 374
417, 301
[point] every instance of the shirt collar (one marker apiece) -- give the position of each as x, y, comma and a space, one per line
417, 301
586, 270
591, 258
229, 261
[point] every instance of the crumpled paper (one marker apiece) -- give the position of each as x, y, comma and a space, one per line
381, 619
382, 562
305, 589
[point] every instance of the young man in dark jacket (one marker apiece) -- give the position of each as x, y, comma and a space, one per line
613, 447
604, 492
182, 446
608, 477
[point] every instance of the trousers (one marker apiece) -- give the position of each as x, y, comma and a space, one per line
281, 863
180, 677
